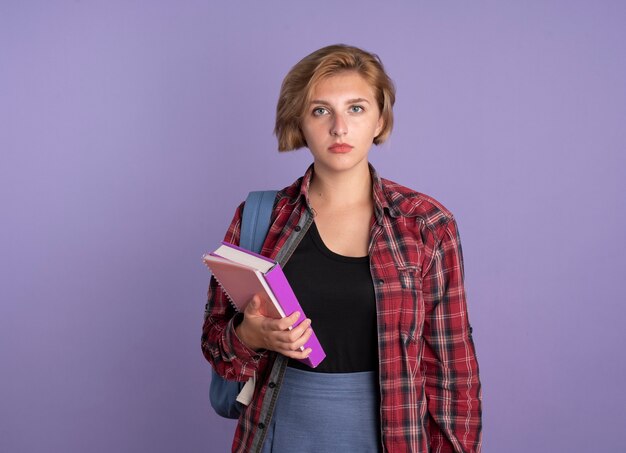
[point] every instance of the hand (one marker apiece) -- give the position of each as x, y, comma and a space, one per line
260, 332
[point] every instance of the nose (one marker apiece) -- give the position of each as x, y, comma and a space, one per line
339, 126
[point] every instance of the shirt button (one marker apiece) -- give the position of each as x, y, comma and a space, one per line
297, 228
380, 281
271, 385
261, 425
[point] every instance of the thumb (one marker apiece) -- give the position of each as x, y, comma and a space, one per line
254, 306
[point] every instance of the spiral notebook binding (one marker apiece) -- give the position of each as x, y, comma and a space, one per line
230, 299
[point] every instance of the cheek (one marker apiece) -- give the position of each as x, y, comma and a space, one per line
370, 128
306, 133
311, 138
312, 132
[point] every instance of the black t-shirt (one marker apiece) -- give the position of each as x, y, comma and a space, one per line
337, 293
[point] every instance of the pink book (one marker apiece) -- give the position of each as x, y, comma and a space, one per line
242, 274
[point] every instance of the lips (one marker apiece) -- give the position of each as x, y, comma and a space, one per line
340, 148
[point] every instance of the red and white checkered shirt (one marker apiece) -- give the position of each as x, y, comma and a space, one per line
430, 396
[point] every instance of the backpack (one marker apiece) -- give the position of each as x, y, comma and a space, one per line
254, 227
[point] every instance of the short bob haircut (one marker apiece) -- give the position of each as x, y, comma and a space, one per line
295, 92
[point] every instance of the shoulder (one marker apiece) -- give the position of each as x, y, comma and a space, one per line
289, 195
405, 202
292, 191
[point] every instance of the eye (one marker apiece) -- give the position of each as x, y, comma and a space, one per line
319, 111
356, 109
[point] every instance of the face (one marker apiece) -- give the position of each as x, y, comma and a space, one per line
341, 121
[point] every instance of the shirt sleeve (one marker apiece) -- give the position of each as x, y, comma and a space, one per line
449, 362
221, 346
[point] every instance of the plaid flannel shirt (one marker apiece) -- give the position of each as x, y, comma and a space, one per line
430, 395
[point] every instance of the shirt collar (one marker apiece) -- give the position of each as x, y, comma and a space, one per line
381, 201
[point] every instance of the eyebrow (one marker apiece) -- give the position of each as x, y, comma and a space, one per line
349, 101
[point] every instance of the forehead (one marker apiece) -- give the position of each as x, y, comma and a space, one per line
348, 84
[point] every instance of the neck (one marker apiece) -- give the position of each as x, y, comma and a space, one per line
347, 188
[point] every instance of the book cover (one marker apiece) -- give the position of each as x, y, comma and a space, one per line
242, 274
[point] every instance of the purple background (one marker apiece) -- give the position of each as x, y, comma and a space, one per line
122, 123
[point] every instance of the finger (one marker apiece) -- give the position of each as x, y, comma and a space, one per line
287, 322
300, 342
286, 337
254, 306
298, 355
297, 332
275, 326
278, 325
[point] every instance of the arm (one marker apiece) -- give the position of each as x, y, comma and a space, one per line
221, 346
235, 343
449, 362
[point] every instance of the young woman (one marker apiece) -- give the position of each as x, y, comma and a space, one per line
377, 269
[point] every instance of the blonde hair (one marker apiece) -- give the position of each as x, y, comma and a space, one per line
295, 92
